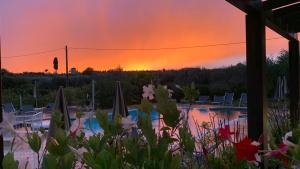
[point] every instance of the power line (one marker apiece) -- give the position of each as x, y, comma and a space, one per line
135, 49
35, 53
166, 48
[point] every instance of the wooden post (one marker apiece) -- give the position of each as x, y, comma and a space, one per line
256, 76
1, 114
67, 67
294, 73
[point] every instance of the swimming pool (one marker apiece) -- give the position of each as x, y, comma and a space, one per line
197, 114
92, 124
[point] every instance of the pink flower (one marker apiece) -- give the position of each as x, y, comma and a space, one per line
279, 154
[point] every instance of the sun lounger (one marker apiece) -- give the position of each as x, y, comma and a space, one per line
203, 100
228, 99
243, 100
8, 108
218, 100
27, 109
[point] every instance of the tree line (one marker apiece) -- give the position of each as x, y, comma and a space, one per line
208, 81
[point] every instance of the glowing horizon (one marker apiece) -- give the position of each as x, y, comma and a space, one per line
34, 26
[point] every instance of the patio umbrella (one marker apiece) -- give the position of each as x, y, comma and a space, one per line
285, 86
93, 95
119, 106
35, 93
281, 88
21, 102
61, 106
277, 94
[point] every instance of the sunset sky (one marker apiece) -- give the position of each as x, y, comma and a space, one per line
30, 26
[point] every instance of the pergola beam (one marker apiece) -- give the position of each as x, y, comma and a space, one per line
286, 10
273, 4
254, 6
272, 25
256, 75
294, 67
246, 6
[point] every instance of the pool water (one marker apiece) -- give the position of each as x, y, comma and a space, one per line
92, 124
197, 114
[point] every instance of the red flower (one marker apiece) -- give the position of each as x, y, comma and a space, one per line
224, 133
279, 154
73, 133
245, 150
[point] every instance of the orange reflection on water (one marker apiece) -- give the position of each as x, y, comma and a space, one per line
206, 113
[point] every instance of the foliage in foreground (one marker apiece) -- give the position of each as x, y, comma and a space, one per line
126, 145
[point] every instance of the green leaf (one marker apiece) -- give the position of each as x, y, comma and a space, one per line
9, 162
187, 142
145, 106
96, 143
145, 123
79, 115
102, 119
167, 107
56, 117
67, 161
49, 162
190, 93
59, 144
34, 142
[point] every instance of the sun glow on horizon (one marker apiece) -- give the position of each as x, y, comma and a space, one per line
43, 25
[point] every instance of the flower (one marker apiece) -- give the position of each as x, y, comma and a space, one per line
75, 128
286, 141
287, 135
127, 123
148, 92
78, 152
169, 91
246, 150
279, 154
224, 133
6, 126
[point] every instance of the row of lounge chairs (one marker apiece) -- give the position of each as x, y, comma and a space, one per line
27, 115
25, 109
226, 100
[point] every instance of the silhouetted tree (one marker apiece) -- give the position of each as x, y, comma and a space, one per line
55, 64
88, 71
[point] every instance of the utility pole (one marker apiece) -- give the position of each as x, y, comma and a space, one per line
67, 67
1, 114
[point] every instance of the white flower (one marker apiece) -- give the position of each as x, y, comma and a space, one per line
286, 141
287, 135
255, 143
169, 91
148, 92
179, 87
128, 123
78, 153
257, 156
